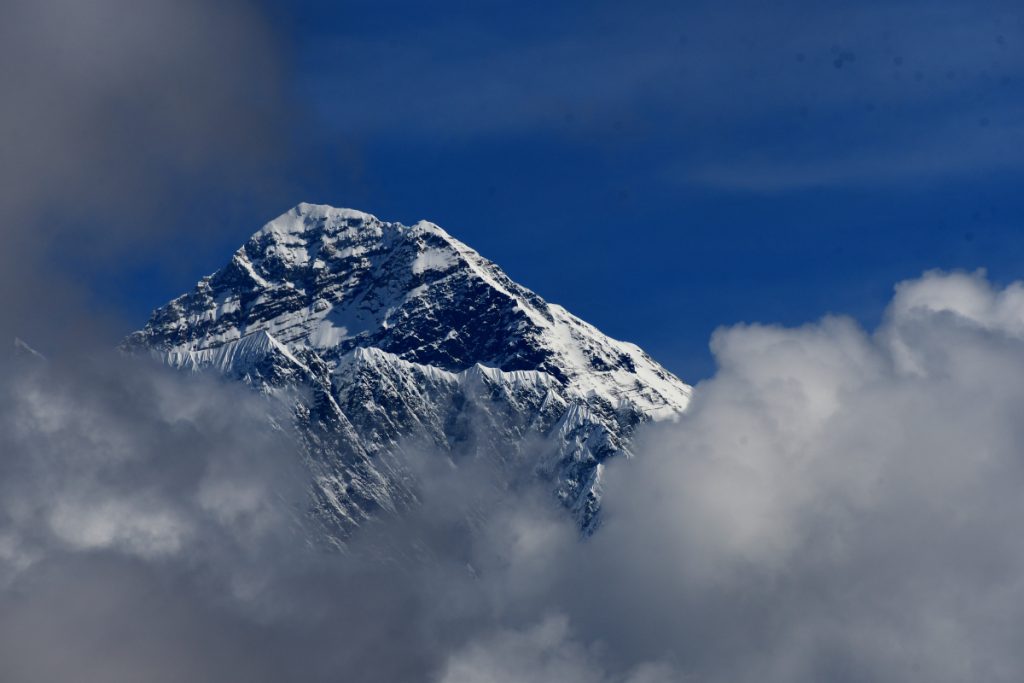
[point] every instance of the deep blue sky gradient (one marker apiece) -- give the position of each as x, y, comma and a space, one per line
660, 169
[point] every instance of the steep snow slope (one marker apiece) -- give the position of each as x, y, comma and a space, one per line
380, 335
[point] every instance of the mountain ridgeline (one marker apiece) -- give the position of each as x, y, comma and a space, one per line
380, 338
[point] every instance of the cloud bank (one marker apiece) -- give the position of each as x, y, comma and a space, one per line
838, 504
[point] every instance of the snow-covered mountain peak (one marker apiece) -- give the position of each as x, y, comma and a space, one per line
338, 279
332, 298
305, 215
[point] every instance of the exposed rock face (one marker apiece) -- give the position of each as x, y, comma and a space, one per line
378, 335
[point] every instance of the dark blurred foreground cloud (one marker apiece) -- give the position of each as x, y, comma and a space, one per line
118, 117
838, 505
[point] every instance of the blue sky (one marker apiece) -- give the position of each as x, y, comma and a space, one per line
660, 169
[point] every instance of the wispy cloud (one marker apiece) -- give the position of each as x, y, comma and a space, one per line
977, 141
743, 95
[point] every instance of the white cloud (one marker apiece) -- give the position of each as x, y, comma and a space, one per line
838, 505
544, 651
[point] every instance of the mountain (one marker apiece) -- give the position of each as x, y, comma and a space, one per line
382, 338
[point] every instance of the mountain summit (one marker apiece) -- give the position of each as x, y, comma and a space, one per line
378, 335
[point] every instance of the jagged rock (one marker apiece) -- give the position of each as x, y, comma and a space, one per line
378, 335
